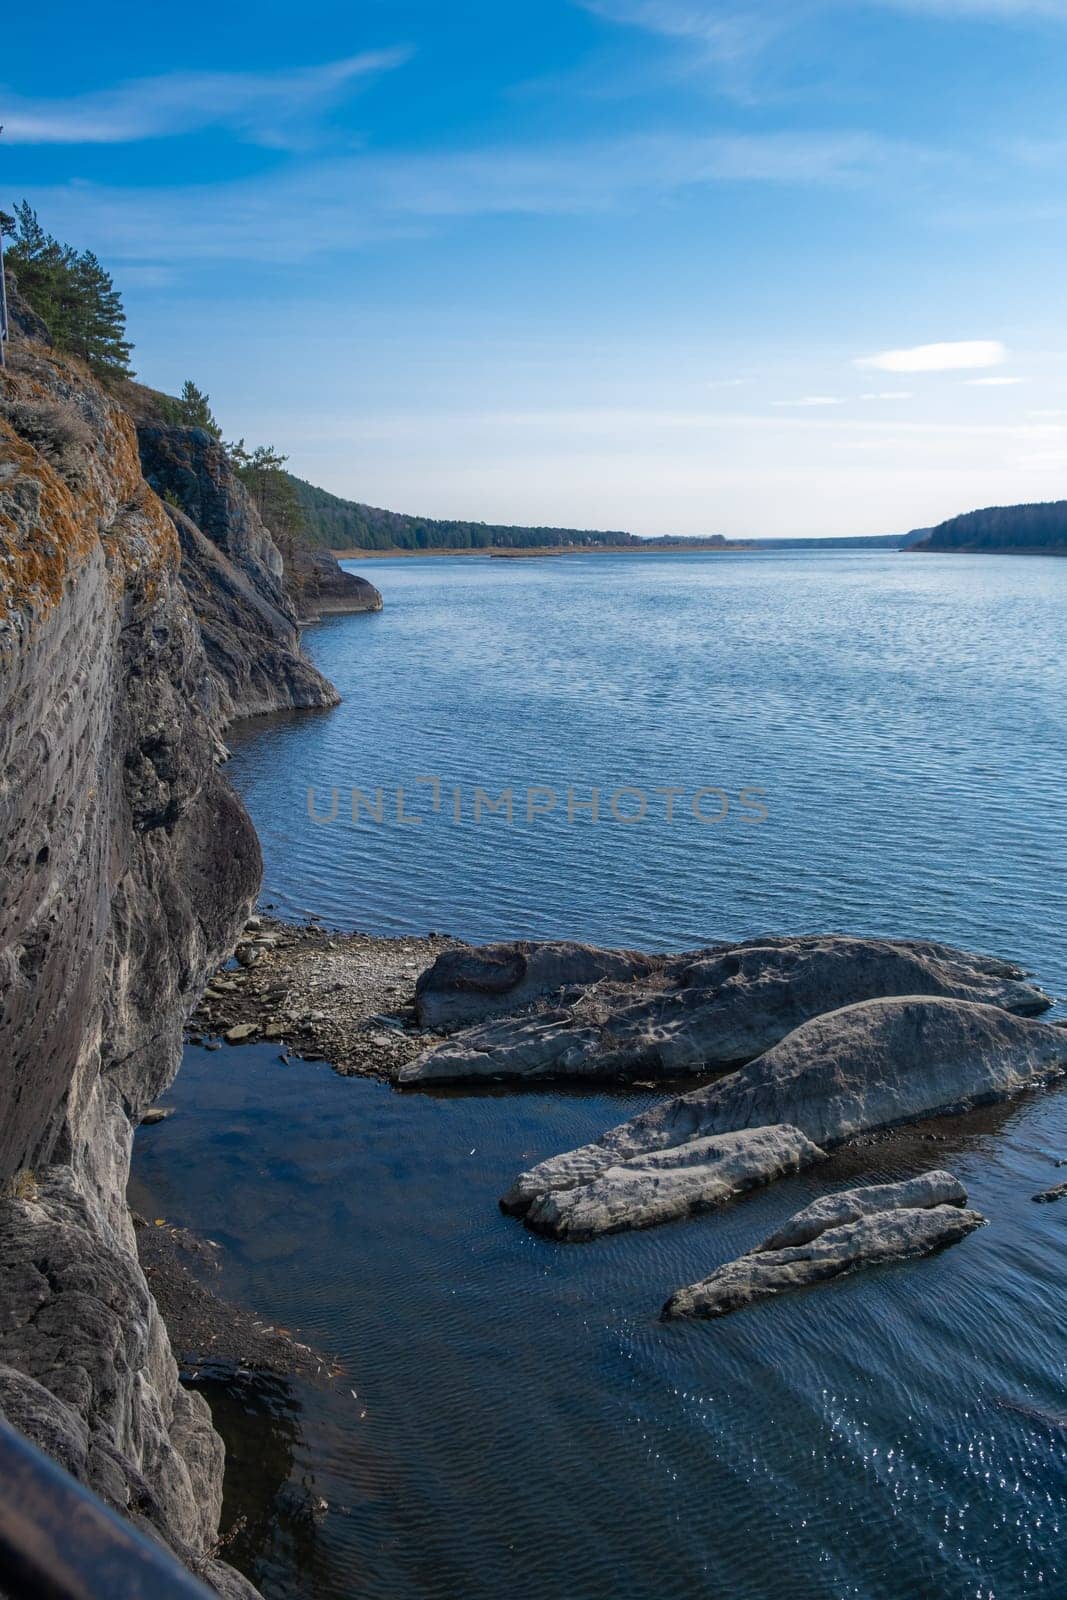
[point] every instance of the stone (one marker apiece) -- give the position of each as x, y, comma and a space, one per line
879, 1239
541, 1011
241, 1033
834, 1210
468, 985
156, 1114
864, 1067
131, 633
1048, 1196
247, 955
668, 1184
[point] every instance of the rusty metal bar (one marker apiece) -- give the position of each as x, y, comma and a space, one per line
58, 1541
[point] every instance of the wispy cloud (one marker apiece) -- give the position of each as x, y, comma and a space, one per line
268, 108
739, 27
890, 394
338, 205
993, 383
812, 400
951, 357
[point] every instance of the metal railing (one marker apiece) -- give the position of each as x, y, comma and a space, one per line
59, 1542
3, 307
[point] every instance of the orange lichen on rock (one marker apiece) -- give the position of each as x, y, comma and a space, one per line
45, 535
52, 517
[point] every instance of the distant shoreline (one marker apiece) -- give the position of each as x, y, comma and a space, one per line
498, 553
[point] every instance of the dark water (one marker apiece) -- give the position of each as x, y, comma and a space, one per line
522, 1424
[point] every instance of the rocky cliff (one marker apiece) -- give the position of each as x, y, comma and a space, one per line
130, 633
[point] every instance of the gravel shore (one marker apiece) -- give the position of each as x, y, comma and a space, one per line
345, 998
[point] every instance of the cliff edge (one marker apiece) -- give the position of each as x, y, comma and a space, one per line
130, 633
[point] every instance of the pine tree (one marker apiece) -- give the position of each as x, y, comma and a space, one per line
262, 471
73, 294
101, 324
196, 410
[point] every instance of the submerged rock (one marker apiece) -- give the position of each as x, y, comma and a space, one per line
569, 1011
834, 1210
871, 1241
867, 1066
1047, 1196
673, 1183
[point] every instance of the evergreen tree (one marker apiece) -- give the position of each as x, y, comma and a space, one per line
73, 294
101, 324
196, 410
273, 492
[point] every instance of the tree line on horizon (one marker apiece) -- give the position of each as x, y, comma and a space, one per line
333, 523
76, 298
1039, 526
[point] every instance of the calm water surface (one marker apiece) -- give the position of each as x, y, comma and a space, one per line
906, 715
521, 1423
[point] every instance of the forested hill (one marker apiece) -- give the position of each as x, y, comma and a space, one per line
336, 524
1040, 529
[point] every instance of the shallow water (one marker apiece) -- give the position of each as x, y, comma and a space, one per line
522, 1424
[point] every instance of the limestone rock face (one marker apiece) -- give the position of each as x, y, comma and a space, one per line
127, 869
86, 1370
875, 1240
234, 576
668, 1184
866, 1066
321, 587
562, 1010
252, 646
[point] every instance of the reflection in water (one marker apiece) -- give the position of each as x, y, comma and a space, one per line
258, 1417
513, 1419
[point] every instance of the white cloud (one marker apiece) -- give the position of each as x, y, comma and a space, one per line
261, 107
950, 357
890, 394
993, 383
812, 400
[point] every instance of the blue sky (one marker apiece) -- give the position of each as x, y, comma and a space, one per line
676, 266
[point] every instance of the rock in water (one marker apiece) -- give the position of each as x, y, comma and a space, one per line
465, 986
568, 1011
673, 1183
871, 1241
867, 1066
834, 1210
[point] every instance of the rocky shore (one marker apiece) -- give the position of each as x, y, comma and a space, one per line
345, 998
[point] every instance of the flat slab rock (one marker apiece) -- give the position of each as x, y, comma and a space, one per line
839, 1234
849, 1205
867, 1066
555, 1010
672, 1183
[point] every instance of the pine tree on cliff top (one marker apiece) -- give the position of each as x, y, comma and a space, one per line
74, 295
